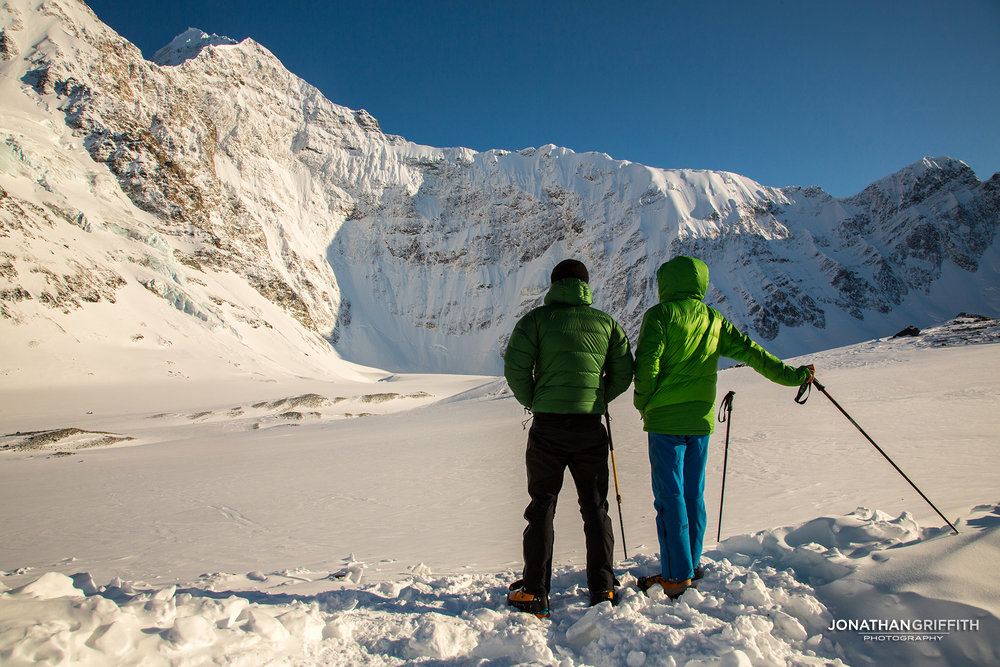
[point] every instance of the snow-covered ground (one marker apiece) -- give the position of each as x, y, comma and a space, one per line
376, 519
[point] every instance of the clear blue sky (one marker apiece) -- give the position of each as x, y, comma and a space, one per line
787, 92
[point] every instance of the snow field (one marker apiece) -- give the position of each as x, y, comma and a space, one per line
427, 500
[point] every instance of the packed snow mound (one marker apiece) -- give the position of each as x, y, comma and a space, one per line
188, 45
778, 597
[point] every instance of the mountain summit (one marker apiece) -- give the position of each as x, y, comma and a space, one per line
188, 45
234, 194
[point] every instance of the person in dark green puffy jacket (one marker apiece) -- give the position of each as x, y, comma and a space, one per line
565, 361
676, 368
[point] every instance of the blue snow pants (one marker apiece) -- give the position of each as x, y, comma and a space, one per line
678, 470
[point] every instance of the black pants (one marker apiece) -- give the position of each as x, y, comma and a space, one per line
580, 443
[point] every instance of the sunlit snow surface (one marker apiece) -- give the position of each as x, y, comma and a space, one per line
188, 475
264, 525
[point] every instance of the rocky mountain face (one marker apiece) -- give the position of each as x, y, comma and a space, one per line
212, 168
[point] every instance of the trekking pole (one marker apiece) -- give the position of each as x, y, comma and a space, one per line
618, 495
801, 399
725, 415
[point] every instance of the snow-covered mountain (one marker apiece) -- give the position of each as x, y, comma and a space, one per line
212, 189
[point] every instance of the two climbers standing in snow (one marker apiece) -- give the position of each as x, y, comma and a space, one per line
566, 361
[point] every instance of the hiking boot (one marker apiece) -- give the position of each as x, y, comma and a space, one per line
673, 589
604, 596
699, 574
532, 603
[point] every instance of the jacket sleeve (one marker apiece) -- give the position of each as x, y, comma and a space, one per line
519, 360
738, 346
618, 365
648, 352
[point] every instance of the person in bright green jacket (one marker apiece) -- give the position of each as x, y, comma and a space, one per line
676, 368
565, 361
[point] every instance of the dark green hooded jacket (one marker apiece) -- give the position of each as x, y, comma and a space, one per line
677, 355
566, 357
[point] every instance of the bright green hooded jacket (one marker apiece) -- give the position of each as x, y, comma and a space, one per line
566, 357
677, 355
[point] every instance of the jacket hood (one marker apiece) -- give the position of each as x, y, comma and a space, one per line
570, 292
682, 278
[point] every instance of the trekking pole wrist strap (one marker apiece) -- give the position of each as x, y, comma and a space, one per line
726, 407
